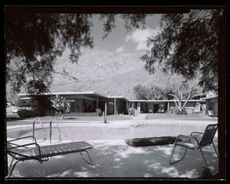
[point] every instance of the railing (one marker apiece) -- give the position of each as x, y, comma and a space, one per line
50, 127
34, 128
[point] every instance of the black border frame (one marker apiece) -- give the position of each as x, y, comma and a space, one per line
147, 7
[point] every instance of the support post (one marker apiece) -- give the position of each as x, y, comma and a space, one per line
97, 102
105, 113
33, 129
167, 107
115, 106
50, 131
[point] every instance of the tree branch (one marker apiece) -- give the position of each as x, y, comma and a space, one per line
176, 99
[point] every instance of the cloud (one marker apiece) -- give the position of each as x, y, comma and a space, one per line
119, 49
140, 37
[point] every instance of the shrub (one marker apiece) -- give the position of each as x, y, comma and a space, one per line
182, 112
25, 113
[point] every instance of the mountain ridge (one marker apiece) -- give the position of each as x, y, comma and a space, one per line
105, 72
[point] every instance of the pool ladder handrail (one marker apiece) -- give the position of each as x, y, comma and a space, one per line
50, 127
34, 128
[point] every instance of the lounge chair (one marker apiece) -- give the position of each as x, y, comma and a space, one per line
196, 141
22, 152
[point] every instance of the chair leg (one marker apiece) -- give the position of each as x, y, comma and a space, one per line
89, 161
11, 163
201, 151
173, 162
11, 169
170, 160
215, 149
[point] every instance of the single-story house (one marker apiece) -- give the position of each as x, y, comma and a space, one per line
154, 106
89, 102
92, 103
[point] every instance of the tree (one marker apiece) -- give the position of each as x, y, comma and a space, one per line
34, 40
181, 94
188, 44
141, 92
60, 105
41, 104
175, 88
148, 92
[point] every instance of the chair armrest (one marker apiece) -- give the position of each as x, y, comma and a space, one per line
195, 138
22, 145
25, 146
23, 138
201, 133
181, 138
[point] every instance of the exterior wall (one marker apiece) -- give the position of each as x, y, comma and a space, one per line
150, 107
89, 103
117, 106
80, 103
143, 107
110, 108
191, 107
121, 106
212, 104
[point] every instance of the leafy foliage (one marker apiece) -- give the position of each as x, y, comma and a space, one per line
34, 40
60, 104
149, 93
131, 21
41, 105
181, 91
187, 44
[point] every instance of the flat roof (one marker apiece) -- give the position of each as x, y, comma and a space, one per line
211, 97
62, 93
201, 100
111, 96
116, 97
76, 93
67, 93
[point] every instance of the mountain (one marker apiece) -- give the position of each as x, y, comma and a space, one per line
105, 72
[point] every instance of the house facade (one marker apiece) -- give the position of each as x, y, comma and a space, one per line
92, 103
166, 106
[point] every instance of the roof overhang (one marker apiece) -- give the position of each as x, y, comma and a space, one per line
209, 98
159, 101
88, 93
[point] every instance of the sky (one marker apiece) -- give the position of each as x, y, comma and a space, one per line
119, 41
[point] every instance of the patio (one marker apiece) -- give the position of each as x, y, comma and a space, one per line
115, 159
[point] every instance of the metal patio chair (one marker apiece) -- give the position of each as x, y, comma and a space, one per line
22, 152
196, 141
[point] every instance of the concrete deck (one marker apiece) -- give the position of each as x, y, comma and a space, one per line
115, 159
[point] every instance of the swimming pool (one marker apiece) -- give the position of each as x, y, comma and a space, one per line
110, 132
